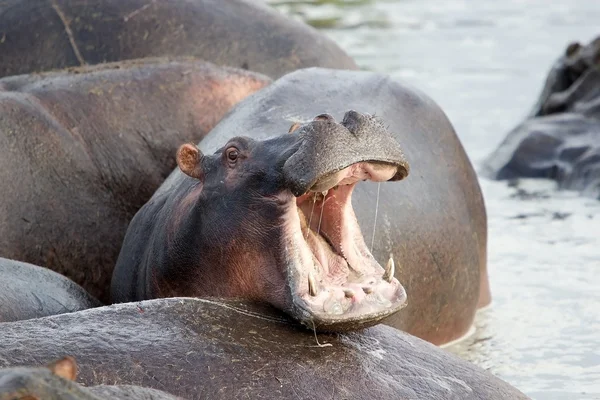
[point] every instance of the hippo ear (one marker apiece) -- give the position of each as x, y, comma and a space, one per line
65, 368
294, 127
189, 160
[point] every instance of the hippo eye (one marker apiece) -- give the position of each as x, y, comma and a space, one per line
232, 154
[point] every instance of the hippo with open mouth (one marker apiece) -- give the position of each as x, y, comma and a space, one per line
270, 221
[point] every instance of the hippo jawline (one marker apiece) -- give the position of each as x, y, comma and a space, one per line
336, 282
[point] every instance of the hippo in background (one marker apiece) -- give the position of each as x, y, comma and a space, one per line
55, 382
430, 233
28, 291
82, 150
560, 139
224, 349
39, 36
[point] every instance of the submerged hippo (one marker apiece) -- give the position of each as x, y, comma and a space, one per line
216, 349
560, 139
42, 35
238, 223
82, 150
226, 223
28, 291
55, 382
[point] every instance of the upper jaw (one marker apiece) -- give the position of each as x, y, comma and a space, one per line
326, 148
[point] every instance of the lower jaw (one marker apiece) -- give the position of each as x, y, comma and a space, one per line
324, 321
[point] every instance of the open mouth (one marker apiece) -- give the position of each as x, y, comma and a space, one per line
336, 282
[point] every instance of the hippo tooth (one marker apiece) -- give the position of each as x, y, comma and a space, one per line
367, 289
312, 285
349, 293
390, 268
325, 192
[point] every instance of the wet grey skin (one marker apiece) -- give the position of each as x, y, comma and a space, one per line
28, 291
226, 349
38, 36
241, 222
560, 139
56, 382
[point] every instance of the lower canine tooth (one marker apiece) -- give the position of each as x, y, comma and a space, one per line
367, 289
312, 285
349, 293
390, 268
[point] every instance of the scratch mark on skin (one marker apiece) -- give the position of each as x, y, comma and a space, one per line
244, 312
139, 10
68, 31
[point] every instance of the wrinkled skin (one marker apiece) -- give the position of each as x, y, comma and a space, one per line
433, 222
28, 291
55, 382
82, 150
560, 140
234, 224
42, 35
200, 348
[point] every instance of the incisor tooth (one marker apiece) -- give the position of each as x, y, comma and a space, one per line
390, 268
312, 284
349, 293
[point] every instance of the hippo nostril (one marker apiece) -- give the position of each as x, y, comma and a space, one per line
353, 120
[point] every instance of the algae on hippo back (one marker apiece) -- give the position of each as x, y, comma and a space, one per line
236, 223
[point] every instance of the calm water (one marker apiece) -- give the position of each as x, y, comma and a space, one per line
484, 62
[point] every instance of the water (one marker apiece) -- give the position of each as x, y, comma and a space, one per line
484, 62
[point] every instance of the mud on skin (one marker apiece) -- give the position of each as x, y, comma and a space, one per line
219, 349
77, 161
55, 382
561, 138
239, 33
270, 221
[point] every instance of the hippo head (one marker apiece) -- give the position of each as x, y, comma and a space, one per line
277, 217
54, 381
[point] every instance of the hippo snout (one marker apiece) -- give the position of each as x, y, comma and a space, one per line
328, 149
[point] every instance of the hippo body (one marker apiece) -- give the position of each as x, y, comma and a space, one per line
240, 33
433, 222
560, 139
28, 291
81, 150
211, 348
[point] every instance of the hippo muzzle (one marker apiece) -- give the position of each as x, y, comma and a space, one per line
335, 282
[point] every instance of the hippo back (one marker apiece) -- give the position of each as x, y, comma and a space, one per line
241, 33
28, 291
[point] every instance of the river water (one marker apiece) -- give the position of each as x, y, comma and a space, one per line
484, 62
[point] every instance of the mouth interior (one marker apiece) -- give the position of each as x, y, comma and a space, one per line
337, 276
